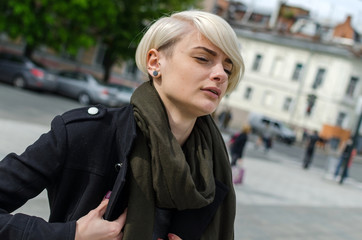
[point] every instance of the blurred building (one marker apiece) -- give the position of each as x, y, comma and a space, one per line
298, 71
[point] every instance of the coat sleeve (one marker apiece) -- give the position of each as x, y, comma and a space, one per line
23, 177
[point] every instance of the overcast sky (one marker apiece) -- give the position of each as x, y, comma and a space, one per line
332, 11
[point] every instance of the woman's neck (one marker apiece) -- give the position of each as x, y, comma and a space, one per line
181, 126
181, 122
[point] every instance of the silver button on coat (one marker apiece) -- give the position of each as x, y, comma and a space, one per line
93, 110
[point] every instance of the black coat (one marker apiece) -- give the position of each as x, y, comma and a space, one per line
77, 161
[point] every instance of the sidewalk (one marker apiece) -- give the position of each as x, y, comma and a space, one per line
280, 200
15, 136
271, 183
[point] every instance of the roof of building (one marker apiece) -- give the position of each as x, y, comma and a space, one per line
294, 42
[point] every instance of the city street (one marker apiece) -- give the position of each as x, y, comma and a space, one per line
278, 200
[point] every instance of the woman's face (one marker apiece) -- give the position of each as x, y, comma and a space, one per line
195, 77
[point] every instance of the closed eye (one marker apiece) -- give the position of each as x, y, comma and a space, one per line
202, 59
228, 72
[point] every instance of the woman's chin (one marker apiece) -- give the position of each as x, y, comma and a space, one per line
209, 109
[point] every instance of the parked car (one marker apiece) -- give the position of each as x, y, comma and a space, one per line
124, 93
23, 72
87, 89
281, 131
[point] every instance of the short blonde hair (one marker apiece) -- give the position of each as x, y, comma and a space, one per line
167, 31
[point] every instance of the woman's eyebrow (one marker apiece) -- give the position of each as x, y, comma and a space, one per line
213, 53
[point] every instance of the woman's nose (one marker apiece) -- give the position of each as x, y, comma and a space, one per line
219, 74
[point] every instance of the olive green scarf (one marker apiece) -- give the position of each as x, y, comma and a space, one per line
166, 175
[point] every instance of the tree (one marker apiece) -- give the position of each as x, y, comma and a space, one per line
60, 25
69, 25
122, 35
80, 22
27, 19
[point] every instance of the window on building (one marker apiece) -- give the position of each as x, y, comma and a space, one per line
257, 62
319, 78
268, 99
341, 119
248, 93
277, 67
353, 81
287, 104
297, 71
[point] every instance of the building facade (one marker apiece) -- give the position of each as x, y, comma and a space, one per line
306, 84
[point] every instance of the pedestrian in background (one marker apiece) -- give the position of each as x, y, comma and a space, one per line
237, 144
267, 136
311, 144
345, 153
225, 118
96, 162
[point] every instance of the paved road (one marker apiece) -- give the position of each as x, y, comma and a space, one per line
32, 107
277, 200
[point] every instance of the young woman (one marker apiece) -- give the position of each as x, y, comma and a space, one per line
161, 158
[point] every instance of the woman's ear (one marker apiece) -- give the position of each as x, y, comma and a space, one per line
153, 66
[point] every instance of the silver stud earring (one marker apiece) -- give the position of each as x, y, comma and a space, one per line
155, 73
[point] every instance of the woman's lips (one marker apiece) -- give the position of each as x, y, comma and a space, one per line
213, 91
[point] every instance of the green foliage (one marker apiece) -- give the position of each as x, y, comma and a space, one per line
123, 35
73, 24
